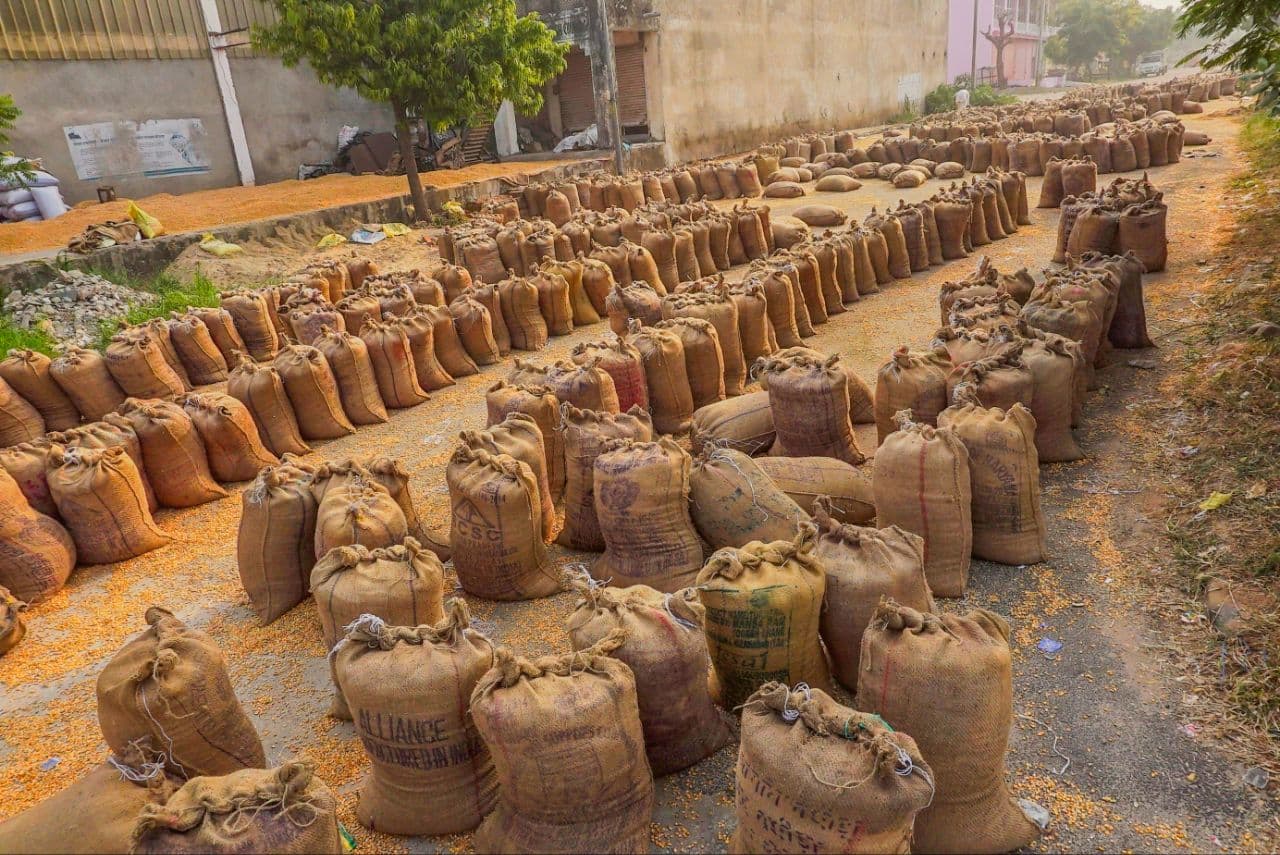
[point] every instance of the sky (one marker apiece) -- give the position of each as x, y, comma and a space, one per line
1162, 4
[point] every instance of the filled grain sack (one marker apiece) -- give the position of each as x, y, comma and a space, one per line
585, 384
1142, 231
620, 359
636, 299
1128, 328
920, 480
641, 498
568, 747
36, 553
719, 308
553, 301
167, 691
275, 542
360, 513
812, 770
667, 653
734, 501
763, 606
259, 388
1000, 381
158, 330
847, 488
222, 331
704, 361
19, 421
408, 689
26, 464
910, 380
357, 310
348, 359
286, 810
252, 318
475, 329
585, 433
312, 389
173, 454
948, 679
12, 627
666, 377
199, 354
519, 436
138, 366
820, 215
230, 437
1054, 363
1004, 481
863, 564
503, 398
436, 347
27, 373
110, 434
100, 497
497, 527
809, 398
521, 313
744, 423
393, 364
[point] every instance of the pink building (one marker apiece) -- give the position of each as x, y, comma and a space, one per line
1019, 54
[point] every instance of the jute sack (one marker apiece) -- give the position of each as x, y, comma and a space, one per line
804, 479
525, 324
230, 437
261, 391
487, 296
920, 479
948, 679
1004, 481
138, 366
584, 384
110, 434
812, 770
569, 751
173, 454
361, 512
642, 504
763, 606
704, 361
19, 421
1128, 327
910, 380
597, 282
12, 627
666, 377
358, 309
475, 329
436, 347
781, 307
26, 464
810, 402
861, 400
1076, 320
718, 307
497, 527
222, 330
168, 691
313, 392
393, 364
636, 299
1054, 363
744, 423
27, 373
82, 374
1000, 381
622, 361
503, 398
348, 358
585, 432
519, 436
408, 689
275, 543
199, 354
158, 330
286, 810
252, 318
36, 553
754, 329
734, 501
553, 301
667, 653
100, 497
584, 312
864, 564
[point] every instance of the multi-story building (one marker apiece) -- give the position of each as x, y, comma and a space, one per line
1031, 22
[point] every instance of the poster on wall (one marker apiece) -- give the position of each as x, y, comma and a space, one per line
154, 148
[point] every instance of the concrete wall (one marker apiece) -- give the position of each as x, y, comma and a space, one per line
289, 116
960, 37
734, 73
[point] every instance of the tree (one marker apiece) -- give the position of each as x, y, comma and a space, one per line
1149, 30
1087, 29
20, 170
1001, 37
1244, 36
450, 62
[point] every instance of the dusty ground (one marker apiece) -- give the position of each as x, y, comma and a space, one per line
1134, 782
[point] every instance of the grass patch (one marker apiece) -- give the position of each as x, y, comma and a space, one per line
13, 336
174, 296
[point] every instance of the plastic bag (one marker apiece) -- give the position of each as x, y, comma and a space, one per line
147, 224
331, 239
395, 229
220, 248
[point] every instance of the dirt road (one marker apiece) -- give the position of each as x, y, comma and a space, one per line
1097, 739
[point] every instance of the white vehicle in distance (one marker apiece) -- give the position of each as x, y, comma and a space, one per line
1152, 64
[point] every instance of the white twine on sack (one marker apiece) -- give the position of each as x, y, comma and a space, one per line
720, 456
581, 569
166, 756
144, 772
788, 712
906, 766
666, 604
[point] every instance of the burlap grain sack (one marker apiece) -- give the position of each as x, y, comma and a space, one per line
358, 309
19, 420
313, 392
110, 434
520, 310
1142, 231
222, 330
27, 373
666, 377
231, 439
1004, 479
261, 390
804, 479
948, 680
408, 689
173, 454
812, 770
158, 330
780, 306
36, 553
553, 301
809, 397
568, 747
487, 296
1076, 320
362, 512
138, 366
763, 605
275, 543
864, 564
285, 810
497, 527
1053, 362
585, 384
475, 329
100, 497
622, 361
252, 318
910, 380
584, 311
26, 464
642, 504
519, 436
744, 423
920, 480
704, 361
597, 282
348, 358
1000, 381
636, 299
438, 353
734, 501
667, 653
718, 307
12, 628
861, 400
1128, 328
504, 398
168, 691
393, 364
197, 351
585, 432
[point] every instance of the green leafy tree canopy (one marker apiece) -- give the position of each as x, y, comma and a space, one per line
451, 62
1244, 36
19, 171
1088, 28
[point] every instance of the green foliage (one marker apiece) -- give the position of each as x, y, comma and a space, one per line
175, 296
1244, 36
986, 96
941, 99
1089, 28
15, 172
14, 336
907, 113
1150, 31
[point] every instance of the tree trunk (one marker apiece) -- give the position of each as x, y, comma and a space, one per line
405, 138
1001, 83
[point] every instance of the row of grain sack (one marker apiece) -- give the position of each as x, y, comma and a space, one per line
1128, 215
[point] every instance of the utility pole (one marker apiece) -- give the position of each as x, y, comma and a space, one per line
604, 83
1040, 44
973, 51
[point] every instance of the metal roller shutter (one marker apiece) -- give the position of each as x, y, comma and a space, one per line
577, 103
632, 105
